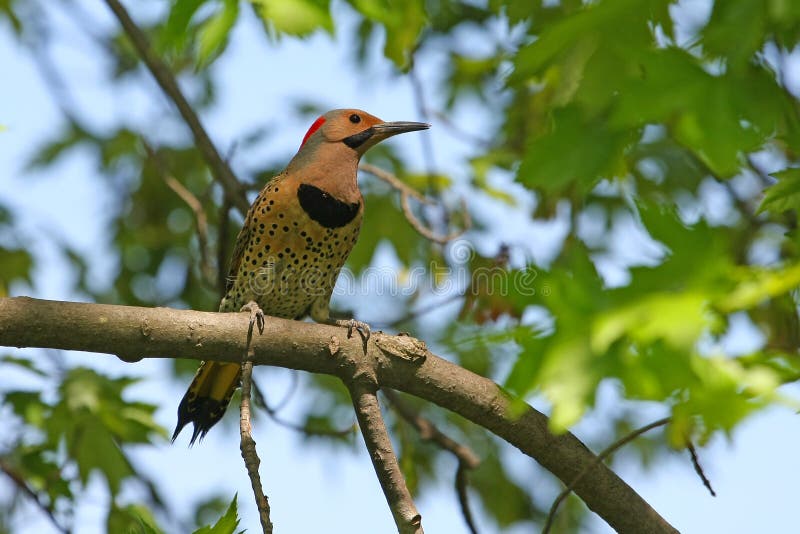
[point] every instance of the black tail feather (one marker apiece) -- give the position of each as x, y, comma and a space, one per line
208, 396
202, 412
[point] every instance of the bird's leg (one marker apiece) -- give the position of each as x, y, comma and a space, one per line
352, 324
320, 312
256, 316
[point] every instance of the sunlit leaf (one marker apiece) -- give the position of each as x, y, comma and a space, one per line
783, 195
403, 21
214, 32
226, 524
131, 519
295, 17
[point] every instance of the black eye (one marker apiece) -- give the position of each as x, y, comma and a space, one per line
354, 118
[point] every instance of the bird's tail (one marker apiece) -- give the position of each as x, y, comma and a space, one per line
207, 397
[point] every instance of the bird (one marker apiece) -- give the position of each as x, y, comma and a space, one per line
295, 239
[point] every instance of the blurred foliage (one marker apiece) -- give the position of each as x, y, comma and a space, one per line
645, 135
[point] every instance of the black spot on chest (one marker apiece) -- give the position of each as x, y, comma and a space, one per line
324, 208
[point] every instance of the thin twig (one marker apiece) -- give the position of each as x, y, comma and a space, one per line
462, 483
698, 469
376, 438
459, 132
305, 429
394, 182
272, 411
407, 192
427, 147
414, 314
201, 220
763, 176
429, 432
223, 254
20, 483
739, 202
500, 260
308, 431
247, 444
163, 75
597, 460
426, 232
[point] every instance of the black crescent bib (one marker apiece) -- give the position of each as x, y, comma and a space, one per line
324, 208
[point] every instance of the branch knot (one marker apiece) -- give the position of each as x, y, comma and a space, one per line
402, 346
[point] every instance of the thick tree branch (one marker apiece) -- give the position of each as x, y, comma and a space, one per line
467, 459
600, 457
365, 401
400, 362
163, 75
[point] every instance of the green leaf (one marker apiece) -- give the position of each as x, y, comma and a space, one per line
736, 30
784, 195
226, 524
759, 285
725, 393
677, 318
567, 379
214, 32
295, 17
578, 151
28, 405
597, 24
93, 421
176, 29
15, 264
38, 467
132, 519
403, 21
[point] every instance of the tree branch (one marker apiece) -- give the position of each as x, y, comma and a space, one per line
22, 485
365, 401
463, 498
399, 362
163, 75
467, 459
600, 457
699, 469
207, 270
406, 193
247, 445
429, 432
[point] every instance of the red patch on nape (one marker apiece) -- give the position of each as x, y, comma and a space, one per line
314, 127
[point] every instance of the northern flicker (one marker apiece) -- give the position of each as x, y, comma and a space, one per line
295, 239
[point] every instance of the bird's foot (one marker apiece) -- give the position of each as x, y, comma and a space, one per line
352, 324
256, 316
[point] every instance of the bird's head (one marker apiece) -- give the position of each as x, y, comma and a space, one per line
355, 129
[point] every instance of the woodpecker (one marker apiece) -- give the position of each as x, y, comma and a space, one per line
296, 237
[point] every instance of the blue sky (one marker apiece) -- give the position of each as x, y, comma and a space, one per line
753, 472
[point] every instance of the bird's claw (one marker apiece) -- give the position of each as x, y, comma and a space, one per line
352, 324
256, 315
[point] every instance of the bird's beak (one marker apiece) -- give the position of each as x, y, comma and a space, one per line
362, 141
388, 129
